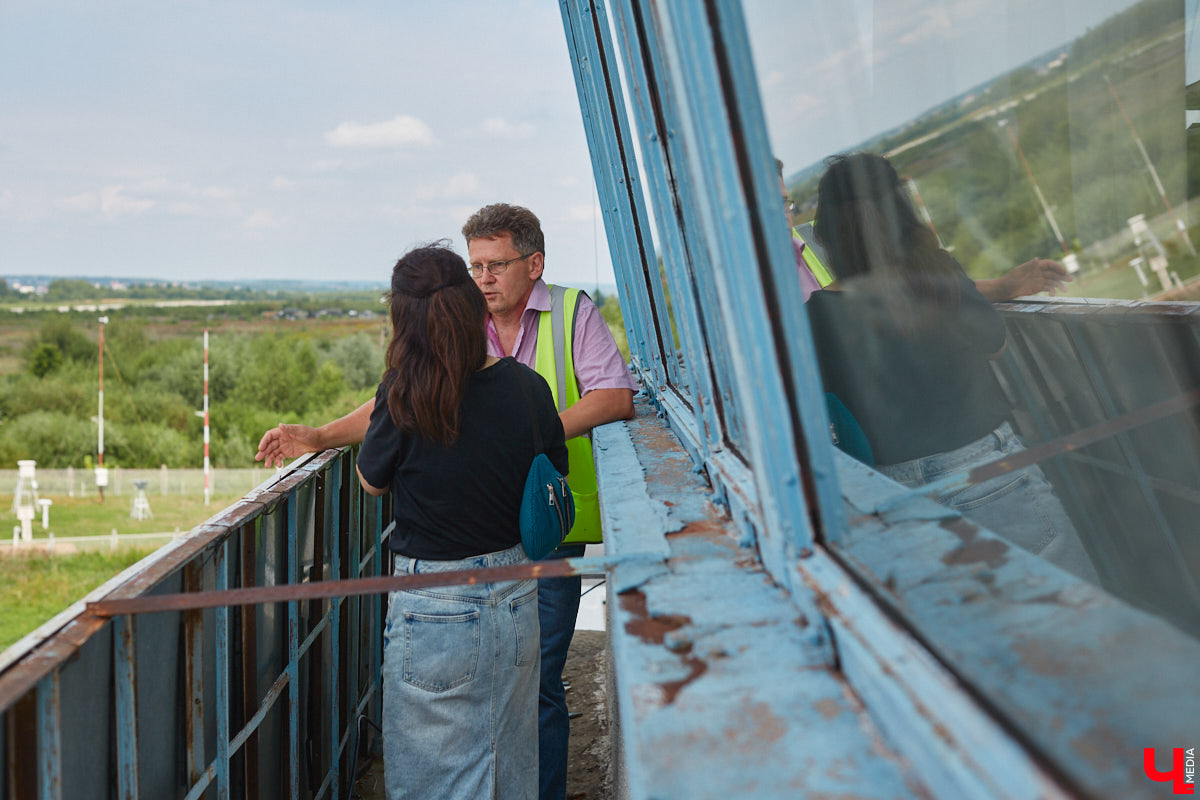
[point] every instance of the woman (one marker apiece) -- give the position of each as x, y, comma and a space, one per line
905, 341
452, 438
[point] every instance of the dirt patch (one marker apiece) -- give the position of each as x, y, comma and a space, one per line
590, 750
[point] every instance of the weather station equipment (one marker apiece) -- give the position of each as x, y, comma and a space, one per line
140, 509
25, 497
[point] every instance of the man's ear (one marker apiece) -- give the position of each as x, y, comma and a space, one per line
537, 262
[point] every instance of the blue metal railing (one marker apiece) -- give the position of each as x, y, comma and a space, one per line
253, 701
1134, 496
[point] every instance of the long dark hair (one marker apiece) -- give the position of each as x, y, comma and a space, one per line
438, 340
868, 226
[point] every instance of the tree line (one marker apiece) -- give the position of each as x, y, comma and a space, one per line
154, 387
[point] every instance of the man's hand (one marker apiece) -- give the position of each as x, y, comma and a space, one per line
287, 441
292, 441
1032, 277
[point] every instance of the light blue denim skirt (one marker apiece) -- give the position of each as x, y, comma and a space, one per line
460, 685
1020, 506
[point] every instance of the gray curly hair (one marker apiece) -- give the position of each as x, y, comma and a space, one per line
501, 218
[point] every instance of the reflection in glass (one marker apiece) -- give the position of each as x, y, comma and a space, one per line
905, 341
1040, 148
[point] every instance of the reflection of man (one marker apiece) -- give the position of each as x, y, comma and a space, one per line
1032, 277
807, 271
506, 256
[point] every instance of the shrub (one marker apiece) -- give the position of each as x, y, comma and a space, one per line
45, 358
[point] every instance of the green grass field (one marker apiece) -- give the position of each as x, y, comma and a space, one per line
35, 587
87, 516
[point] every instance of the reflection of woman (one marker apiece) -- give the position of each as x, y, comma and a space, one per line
452, 437
906, 345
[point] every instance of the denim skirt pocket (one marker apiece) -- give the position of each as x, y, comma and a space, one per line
973, 497
441, 651
524, 610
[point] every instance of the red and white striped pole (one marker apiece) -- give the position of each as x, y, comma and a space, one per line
912, 189
1180, 228
207, 484
1037, 190
101, 473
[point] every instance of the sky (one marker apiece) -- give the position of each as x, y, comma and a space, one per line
225, 140
889, 61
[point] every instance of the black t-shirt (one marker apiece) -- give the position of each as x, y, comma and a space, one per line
914, 373
464, 500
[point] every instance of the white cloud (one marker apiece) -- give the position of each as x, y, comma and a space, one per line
113, 204
933, 23
283, 184
803, 102
262, 219
459, 186
580, 213
570, 182
178, 198
403, 131
84, 201
498, 126
458, 214
463, 184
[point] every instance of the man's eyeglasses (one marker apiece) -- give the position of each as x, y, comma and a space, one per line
494, 267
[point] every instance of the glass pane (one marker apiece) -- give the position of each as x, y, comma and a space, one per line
658, 288
941, 159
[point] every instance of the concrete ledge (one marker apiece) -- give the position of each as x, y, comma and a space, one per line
720, 686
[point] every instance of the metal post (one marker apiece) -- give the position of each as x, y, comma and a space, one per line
293, 667
194, 676
1037, 190
221, 565
125, 676
207, 478
1180, 228
49, 739
101, 474
335, 623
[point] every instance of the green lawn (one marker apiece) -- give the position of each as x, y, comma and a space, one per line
87, 516
34, 587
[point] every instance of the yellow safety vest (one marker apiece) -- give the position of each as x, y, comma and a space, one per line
823, 276
554, 362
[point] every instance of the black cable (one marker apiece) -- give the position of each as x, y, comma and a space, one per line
601, 583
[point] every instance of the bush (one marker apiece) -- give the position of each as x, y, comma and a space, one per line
70, 341
52, 438
45, 359
360, 358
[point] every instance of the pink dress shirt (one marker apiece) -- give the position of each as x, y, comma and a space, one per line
598, 362
808, 282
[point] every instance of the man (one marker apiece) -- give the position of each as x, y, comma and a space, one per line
506, 254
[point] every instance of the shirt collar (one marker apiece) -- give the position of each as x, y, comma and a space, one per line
539, 297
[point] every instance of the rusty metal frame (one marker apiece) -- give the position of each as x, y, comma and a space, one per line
220, 721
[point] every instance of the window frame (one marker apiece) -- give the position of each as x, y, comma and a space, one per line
882, 598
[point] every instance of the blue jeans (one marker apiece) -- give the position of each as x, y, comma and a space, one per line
558, 606
1020, 506
460, 669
